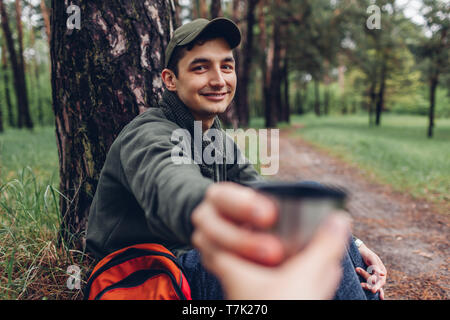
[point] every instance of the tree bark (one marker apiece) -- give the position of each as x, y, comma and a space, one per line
177, 18
341, 78
216, 9
35, 68
286, 104
203, 9
245, 65
24, 118
9, 107
372, 101
277, 46
45, 15
298, 102
433, 86
19, 32
231, 117
316, 98
228, 117
266, 67
380, 98
103, 75
326, 82
284, 83
1, 120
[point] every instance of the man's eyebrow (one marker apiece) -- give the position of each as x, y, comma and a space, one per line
199, 60
205, 60
228, 59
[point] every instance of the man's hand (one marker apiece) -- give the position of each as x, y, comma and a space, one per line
226, 244
232, 217
375, 279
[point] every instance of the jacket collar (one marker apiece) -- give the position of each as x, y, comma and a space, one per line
176, 111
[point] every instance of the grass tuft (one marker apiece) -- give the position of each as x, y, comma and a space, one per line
32, 264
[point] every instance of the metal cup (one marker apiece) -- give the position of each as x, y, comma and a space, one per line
302, 207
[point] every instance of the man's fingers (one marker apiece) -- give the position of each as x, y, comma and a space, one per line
375, 281
381, 294
328, 245
363, 273
365, 286
261, 247
247, 205
377, 270
380, 282
207, 249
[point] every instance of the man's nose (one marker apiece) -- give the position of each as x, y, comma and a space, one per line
216, 79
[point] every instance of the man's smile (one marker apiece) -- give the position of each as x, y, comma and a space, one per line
214, 96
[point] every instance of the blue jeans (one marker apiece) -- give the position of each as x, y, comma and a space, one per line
205, 286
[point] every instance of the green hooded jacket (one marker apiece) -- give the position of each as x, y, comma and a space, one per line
142, 195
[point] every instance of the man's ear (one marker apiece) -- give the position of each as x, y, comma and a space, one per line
169, 79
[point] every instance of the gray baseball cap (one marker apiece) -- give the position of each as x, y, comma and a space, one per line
191, 30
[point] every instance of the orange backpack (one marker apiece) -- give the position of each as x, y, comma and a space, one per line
139, 272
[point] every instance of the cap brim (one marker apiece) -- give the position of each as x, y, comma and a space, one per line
222, 26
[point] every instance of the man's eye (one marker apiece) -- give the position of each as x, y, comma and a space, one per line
199, 68
228, 67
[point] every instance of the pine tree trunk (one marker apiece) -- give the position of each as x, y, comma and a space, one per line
45, 15
177, 14
228, 117
326, 82
433, 86
246, 59
275, 74
1, 120
372, 101
24, 115
103, 75
35, 67
270, 114
326, 100
19, 31
316, 97
18, 73
231, 117
285, 114
203, 9
9, 107
380, 98
216, 9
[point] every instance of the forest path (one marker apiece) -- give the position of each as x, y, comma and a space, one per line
409, 235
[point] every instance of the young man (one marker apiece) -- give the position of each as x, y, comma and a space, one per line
144, 196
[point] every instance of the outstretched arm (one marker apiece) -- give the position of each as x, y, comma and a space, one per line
229, 232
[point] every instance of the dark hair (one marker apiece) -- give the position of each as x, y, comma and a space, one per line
180, 51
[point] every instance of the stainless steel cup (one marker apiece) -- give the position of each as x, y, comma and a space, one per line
302, 207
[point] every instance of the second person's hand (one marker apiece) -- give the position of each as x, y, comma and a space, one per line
231, 217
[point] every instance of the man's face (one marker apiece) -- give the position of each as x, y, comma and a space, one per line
206, 81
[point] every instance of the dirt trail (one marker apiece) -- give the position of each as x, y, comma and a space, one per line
409, 235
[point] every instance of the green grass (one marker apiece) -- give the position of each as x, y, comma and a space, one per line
397, 153
22, 148
32, 263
